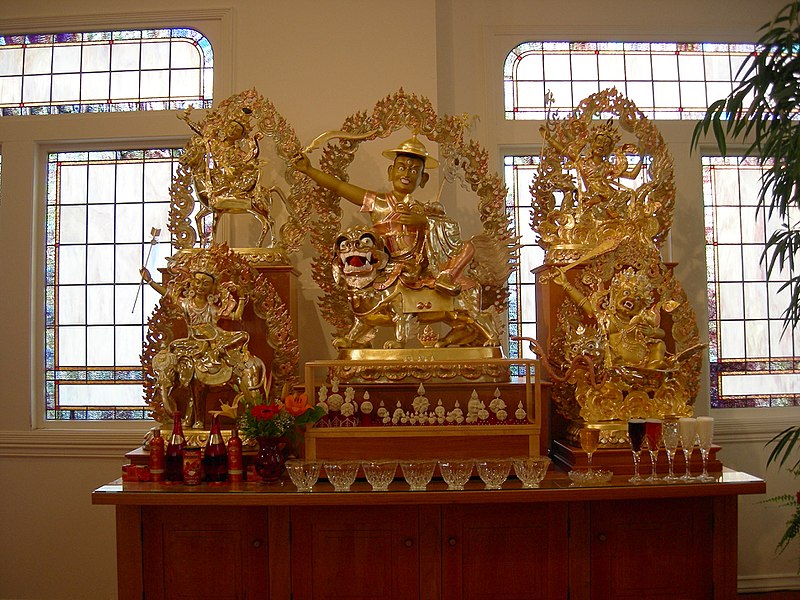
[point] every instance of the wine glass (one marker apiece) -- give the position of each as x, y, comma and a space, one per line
687, 431
669, 435
636, 437
653, 431
705, 432
590, 439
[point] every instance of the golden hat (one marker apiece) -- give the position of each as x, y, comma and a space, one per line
413, 147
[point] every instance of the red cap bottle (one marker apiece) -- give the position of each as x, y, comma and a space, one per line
215, 460
156, 460
235, 461
173, 470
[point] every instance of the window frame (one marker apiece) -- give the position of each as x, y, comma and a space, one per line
26, 143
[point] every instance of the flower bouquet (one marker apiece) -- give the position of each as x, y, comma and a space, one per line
273, 425
278, 419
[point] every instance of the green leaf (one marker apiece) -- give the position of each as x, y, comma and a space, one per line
785, 443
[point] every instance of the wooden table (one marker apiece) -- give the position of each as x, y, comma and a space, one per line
251, 540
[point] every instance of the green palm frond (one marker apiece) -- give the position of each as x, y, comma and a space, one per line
785, 443
763, 112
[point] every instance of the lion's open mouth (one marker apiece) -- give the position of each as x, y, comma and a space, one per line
357, 262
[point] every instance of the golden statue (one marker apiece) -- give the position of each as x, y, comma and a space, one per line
411, 266
190, 350
574, 214
222, 170
623, 340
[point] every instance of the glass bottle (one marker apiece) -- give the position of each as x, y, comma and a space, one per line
215, 460
156, 458
235, 460
173, 470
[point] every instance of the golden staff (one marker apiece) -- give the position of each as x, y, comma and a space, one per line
154, 232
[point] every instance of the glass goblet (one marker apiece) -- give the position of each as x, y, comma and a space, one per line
379, 473
636, 438
341, 473
418, 473
687, 431
705, 433
494, 472
456, 472
590, 439
303, 473
670, 439
653, 431
530, 470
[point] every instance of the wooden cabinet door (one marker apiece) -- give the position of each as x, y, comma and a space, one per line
655, 549
355, 552
209, 553
504, 551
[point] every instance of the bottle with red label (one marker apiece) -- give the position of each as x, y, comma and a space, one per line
215, 459
173, 465
156, 461
235, 461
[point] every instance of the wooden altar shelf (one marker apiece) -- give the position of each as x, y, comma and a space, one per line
432, 441
264, 542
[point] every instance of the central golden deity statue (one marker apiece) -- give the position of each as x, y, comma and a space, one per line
412, 265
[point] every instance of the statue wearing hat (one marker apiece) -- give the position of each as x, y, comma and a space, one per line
424, 245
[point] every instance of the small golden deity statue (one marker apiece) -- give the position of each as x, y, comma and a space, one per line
623, 339
190, 351
411, 265
222, 170
573, 215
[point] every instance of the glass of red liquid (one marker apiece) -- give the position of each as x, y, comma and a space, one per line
636, 428
653, 431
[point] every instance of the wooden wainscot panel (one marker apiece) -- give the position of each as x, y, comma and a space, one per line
363, 552
205, 552
504, 551
657, 549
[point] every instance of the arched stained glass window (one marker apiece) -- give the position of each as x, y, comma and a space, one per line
105, 71
666, 80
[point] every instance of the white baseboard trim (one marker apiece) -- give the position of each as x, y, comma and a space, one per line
768, 583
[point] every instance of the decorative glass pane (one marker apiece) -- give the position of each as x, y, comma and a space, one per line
101, 209
752, 359
157, 69
681, 78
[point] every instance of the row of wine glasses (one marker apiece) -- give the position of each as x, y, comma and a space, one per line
671, 433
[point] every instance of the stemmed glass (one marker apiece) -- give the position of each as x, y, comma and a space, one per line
590, 439
687, 431
671, 439
653, 429
705, 432
636, 437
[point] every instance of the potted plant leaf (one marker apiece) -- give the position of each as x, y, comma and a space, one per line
763, 113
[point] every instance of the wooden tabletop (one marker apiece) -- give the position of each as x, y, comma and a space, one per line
557, 487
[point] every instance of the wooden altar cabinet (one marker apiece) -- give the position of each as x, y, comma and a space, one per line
256, 541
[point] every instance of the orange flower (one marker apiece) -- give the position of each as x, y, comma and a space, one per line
296, 405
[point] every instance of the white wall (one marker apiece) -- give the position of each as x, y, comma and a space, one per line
318, 61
